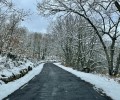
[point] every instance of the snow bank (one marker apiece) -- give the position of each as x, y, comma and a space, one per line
109, 86
15, 70
6, 89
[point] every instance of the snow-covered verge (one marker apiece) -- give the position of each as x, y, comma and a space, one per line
6, 89
13, 69
109, 86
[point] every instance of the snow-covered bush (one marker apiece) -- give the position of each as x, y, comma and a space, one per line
12, 69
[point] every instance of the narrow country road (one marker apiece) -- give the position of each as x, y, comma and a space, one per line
53, 83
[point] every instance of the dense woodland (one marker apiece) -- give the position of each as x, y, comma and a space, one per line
84, 35
87, 32
16, 39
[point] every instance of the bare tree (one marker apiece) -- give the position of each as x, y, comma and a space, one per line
76, 42
15, 18
5, 9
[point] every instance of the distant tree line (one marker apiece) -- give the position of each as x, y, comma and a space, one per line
16, 40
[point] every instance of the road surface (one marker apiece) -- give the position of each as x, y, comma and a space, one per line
53, 83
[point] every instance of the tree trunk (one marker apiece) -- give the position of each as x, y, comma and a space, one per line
117, 5
117, 65
111, 57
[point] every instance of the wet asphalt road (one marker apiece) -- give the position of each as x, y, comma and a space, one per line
53, 83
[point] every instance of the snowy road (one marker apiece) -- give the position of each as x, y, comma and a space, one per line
53, 83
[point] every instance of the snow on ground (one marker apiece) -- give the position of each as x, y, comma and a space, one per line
109, 86
14, 69
8, 67
6, 89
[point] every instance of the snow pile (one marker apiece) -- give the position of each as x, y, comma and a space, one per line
109, 86
15, 70
8, 67
6, 89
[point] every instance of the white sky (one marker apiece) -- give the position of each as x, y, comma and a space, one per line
35, 22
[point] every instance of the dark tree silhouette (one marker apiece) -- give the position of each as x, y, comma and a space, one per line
117, 5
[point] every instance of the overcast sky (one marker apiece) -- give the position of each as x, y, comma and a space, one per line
35, 22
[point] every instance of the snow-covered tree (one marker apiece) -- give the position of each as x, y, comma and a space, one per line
101, 15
